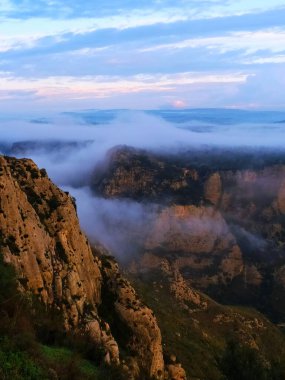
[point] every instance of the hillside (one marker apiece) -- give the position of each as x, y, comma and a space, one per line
218, 217
40, 238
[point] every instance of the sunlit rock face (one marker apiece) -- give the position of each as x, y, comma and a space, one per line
220, 219
213, 188
41, 237
135, 174
198, 241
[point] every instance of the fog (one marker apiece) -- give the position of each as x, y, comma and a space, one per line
133, 128
64, 165
70, 147
120, 225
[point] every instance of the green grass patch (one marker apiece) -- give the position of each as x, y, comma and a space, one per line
61, 356
197, 338
18, 365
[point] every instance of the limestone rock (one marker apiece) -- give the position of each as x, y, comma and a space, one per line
213, 188
281, 197
227, 243
145, 337
197, 238
176, 372
133, 173
41, 237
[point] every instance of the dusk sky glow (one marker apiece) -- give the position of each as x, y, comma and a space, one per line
58, 55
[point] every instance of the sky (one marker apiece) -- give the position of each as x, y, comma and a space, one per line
58, 55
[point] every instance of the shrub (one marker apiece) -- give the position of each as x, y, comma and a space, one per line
242, 363
16, 364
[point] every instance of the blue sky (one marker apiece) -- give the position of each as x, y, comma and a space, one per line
58, 55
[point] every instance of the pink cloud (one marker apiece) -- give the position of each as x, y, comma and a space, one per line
179, 104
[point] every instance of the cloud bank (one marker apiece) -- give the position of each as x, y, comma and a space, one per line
70, 146
123, 54
93, 138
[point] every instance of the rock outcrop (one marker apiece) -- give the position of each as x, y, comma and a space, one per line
198, 326
213, 189
135, 174
197, 240
220, 221
144, 335
41, 237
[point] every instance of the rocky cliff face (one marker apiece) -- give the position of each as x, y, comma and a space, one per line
135, 174
41, 237
197, 326
197, 240
221, 220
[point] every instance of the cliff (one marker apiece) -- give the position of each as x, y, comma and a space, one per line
197, 239
196, 328
41, 238
220, 219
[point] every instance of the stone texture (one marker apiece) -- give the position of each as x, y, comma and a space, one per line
220, 216
197, 238
41, 237
213, 188
145, 337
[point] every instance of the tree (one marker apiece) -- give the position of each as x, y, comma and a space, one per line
242, 363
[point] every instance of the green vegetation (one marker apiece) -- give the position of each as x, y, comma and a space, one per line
68, 364
15, 331
16, 364
201, 345
32, 344
240, 362
181, 335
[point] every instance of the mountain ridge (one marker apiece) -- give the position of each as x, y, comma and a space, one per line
42, 240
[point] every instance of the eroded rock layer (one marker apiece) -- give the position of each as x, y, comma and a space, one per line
220, 220
41, 237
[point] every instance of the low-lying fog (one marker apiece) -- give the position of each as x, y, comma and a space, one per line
70, 145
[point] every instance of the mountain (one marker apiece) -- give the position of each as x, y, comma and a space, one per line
219, 218
211, 251
215, 239
41, 239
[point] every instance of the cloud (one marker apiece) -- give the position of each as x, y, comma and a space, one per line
201, 8
19, 34
32, 32
70, 147
144, 25
265, 89
221, 43
178, 103
249, 42
107, 86
7, 5
120, 225
5, 95
265, 60
142, 130
64, 55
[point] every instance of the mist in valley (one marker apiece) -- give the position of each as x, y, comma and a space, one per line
71, 146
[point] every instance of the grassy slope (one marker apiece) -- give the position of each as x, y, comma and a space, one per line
199, 342
23, 354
